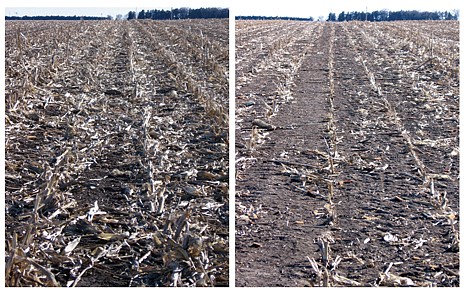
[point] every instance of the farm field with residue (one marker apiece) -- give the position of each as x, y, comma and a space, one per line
116, 153
347, 153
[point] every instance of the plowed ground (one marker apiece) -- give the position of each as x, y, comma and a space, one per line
358, 183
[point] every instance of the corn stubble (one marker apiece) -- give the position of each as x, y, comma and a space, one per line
116, 153
403, 81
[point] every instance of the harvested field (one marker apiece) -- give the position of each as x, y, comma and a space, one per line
347, 153
116, 153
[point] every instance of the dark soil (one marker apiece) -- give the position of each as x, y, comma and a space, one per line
375, 190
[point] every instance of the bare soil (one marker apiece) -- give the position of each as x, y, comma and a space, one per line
357, 185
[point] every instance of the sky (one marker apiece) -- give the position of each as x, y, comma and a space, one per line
100, 7
293, 8
307, 8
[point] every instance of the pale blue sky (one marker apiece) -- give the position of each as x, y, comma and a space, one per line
297, 8
100, 7
70, 11
307, 8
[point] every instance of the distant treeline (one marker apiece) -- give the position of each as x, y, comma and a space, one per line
55, 17
273, 18
385, 15
381, 15
180, 13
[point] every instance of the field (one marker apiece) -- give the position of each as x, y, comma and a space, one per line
116, 170
347, 153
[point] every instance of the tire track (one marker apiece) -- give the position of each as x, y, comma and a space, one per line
276, 219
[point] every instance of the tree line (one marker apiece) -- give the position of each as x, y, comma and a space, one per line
56, 17
180, 13
177, 13
273, 18
385, 15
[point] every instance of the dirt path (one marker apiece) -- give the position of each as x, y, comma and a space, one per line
337, 194
277, 232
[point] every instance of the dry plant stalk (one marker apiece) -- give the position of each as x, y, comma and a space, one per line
97, 120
